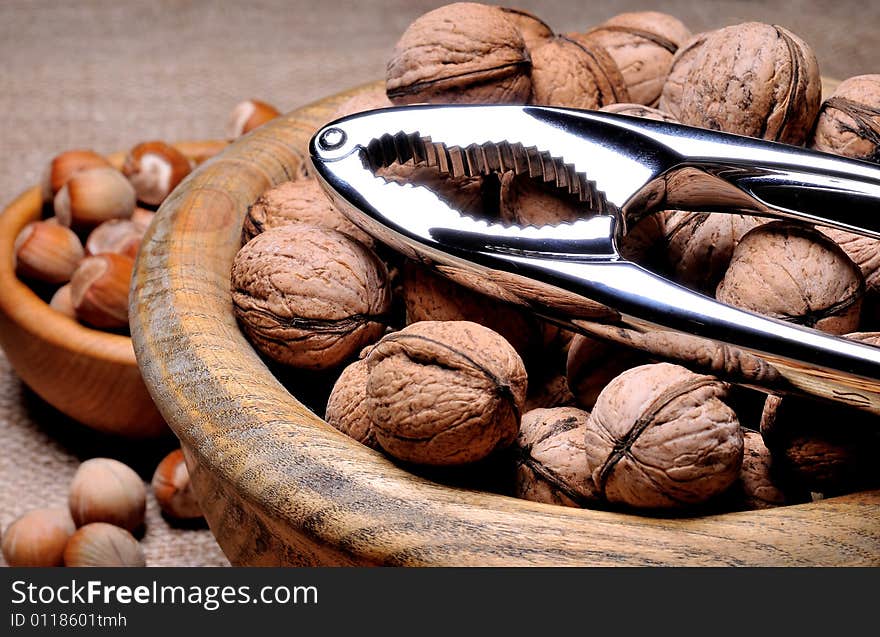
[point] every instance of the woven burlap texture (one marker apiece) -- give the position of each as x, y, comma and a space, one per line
106, 75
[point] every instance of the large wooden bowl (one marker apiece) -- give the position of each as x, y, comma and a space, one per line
280, 486
90, 375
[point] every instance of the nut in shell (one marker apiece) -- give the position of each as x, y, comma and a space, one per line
99, 290
661, 436
552, 458
849, 120
444, 392
347, 405
463, 52
106, 490
102, 544
173, 489
794, 273
92, 196
38, 538
680, 68
642, 44
119, 236
533, 29
47, 251
753, 79
154, 169
309, 297
248, 115
64, 165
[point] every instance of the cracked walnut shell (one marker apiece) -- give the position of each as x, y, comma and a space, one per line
444, 392
642, 44
661, 436
794, 273
309, 297
551, 464
753, 79
463, 52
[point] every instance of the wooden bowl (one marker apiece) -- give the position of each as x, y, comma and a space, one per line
279, 486
90, 375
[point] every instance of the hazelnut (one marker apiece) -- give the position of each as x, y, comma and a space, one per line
309, 297
99, 290
428, 296
95, 195
347, 405
106, 490
753, 79
119, 236
248, 115
47, 251
680, 68
173, 489
551, 464
849, 120
300, 201
37, 538
101, 544
575, 73
794, 273
699, 245
661, 436
154, 169
65, 165
62, 302
592, 364
642, 44
461, 52
444, 392
142, 217
534, 31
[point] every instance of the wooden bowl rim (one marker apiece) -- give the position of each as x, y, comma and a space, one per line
20, 303
294, 483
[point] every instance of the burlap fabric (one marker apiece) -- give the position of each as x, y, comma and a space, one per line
108, 74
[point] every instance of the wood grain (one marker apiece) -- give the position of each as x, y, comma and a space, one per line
280, 486
90, 375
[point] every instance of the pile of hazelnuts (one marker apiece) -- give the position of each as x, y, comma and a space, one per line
80, 255
107, 503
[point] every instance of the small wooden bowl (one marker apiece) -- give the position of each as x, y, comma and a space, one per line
90, 375
279, 486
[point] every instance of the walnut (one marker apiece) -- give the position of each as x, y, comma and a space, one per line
363, 101
757, 486
534, 31
428, 296
699, 245
661, 436
794, 273
299, 201
592, 364
642, 44
865, 253
639, 110
682, 63
444, 392
347, 405
548, 388
849, 120
309, 297
463, 52
822, 446
566, 72
753, 79
551, 463
526, 201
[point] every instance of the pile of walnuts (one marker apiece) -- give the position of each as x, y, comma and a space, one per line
431, 373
